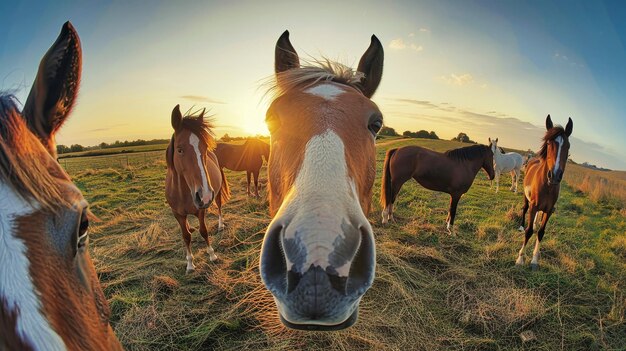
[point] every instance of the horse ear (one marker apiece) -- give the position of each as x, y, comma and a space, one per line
489, 140
371, 65
549, 124
496, 140
54, 90
569, 127
285, 56
177, 117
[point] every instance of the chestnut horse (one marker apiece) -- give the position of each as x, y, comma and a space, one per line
50, 296
194, 179
542, 183
452, 172
247, 157
318, 256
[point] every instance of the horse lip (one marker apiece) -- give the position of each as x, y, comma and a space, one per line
321, 327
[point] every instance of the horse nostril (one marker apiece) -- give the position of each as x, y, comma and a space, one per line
273, 262
198, 198
363, 265
549, 174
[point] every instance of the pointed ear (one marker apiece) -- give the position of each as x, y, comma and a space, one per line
569, 127
371, 65
177, 117
285, 56
489, 140
54, 91
496, 140
549, 124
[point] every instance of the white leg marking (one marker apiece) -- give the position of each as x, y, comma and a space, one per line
327, 91
206, 193
211, 252
189, 257
535, 260
520, 256
220, 222
16, 286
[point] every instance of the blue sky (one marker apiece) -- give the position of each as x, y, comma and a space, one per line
487, 68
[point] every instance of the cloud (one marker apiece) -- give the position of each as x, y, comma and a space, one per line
200, 98
411, 35
461, 79
400, 44
425, 30
397, 44
103, 129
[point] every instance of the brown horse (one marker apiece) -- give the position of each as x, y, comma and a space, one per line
247, 157
452, 172
318, 256
542, 183
50, 296
194, 179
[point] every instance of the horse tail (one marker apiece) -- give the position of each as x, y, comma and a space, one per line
225, 189
386, 191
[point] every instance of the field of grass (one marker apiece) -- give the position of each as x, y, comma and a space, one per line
432, 290
115, 150
601, 186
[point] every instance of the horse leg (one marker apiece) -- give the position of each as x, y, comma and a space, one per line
256, 182
184, 228
497, 181
517, 174
513, 185
454, 201
248, 186
528, 234
220, 219
534, 264
524, 209
205, 235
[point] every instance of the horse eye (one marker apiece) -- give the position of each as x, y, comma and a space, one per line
375, 126
83, 228
179, 150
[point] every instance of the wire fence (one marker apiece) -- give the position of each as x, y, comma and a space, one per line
135, 159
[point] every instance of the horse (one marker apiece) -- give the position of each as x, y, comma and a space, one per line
452, 172
318, 256
506, 162
247, 157
50, 296
542, 183
194, 178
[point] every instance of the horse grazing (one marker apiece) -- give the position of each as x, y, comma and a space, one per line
542, 183
194, 178
318, 256
50, 296
452, 172
506, 162
247, 157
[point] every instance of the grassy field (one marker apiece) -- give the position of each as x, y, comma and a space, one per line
432, 290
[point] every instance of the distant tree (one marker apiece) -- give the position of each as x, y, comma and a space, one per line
433, 135
103, 145
464, 138
76, 148
388, 131
226, 138
424, 134
61, 149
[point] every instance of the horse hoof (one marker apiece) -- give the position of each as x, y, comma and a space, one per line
190, 270
213, 258
191, 230
219, 229
521, 229
534, 267
519, 261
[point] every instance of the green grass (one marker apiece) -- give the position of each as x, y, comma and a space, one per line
432, 290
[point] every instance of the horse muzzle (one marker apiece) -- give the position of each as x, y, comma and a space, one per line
201, 199
317, 284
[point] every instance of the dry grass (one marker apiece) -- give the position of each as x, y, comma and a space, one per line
598, 185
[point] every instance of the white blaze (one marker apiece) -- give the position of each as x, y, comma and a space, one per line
195, 142
16, 287
559, 140
321, 199
327, 91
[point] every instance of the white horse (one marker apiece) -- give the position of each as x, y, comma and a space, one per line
506, 162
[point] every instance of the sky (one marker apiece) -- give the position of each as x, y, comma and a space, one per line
485, 68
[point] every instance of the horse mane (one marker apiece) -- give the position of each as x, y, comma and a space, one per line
19, 167
324, 70
467, 152
551, 134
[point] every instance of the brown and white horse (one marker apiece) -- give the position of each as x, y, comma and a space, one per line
50, 296
194, 179
542, 183
247, 157
318, 256
452, 172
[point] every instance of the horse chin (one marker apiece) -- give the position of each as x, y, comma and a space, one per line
322, 327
